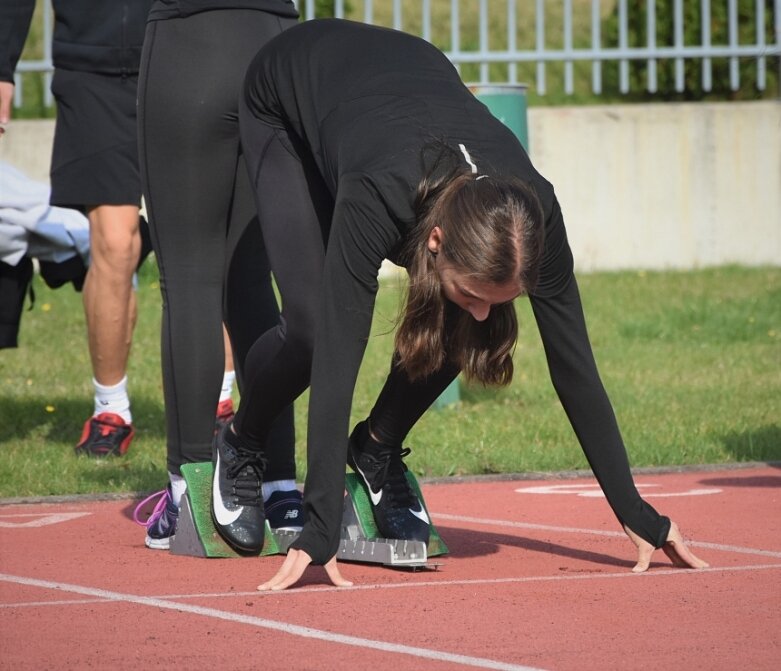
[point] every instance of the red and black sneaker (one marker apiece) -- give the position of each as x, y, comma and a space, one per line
105, 435
224, 416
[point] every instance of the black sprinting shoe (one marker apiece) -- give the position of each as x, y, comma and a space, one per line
285, 511
237, 501
397, 510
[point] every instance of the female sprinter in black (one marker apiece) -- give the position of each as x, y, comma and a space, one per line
363, 144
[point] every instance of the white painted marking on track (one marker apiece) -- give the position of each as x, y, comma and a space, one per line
594, 532
39, 519
284, 627
290, 593
594, 491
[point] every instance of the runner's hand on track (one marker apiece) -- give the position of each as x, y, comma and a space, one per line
293, 568
674, 547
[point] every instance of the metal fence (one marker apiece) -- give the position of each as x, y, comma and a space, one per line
560, 45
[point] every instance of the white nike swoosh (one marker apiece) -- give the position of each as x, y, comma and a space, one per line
376, 498
223, 515
421, 515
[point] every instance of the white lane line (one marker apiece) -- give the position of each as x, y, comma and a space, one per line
284, 627
38, 519
595, 532
653, 573
595, 491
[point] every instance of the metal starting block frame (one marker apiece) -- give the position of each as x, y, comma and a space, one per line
355, 546
360, 540
196, 535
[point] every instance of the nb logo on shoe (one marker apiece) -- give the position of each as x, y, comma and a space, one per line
291, 514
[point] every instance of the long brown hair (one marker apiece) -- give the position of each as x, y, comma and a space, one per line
492, 230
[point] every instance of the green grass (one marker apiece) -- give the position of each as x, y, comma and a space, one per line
690, 360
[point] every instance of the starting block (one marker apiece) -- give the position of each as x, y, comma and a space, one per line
196, 535
360, 540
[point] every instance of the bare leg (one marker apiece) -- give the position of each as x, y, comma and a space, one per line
228, 350
109, 298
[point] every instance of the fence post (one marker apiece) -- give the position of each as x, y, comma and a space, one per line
507, 102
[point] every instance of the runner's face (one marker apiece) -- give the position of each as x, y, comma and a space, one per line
476, 297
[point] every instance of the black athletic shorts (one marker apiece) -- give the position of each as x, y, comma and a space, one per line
95, 153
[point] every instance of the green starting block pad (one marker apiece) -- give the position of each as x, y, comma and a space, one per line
360, 539
196, 535
195, 532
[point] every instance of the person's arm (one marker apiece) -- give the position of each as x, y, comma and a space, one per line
15, 18
559, 314
576, 379
361, 237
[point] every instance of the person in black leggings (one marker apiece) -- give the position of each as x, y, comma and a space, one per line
363, 144
200, 208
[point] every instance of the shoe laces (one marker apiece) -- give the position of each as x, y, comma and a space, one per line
245, 470
391, 475
164, 496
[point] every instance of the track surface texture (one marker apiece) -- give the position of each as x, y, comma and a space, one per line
538, 577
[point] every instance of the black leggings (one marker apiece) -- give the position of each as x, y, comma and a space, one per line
294, 208
200, 211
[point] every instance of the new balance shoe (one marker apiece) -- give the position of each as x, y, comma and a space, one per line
397, 510
225, 414
161, 523
104, 435
285, 511
237, 499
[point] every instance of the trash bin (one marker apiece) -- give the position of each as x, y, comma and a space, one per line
507, 102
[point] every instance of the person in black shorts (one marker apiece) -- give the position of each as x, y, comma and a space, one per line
94, 169
204, 231
95, 160
363, 144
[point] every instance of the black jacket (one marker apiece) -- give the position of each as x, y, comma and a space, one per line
102, 36
169, 9
105, 36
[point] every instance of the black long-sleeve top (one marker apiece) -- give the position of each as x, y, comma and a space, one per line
365, 101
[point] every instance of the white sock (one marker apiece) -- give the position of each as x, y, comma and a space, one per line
178, 487
269, 488
227, 385
113, 398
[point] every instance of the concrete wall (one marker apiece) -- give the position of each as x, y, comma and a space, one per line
641, 186
665, 185
27, 145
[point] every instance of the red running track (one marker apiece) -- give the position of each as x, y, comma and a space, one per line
538, 577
